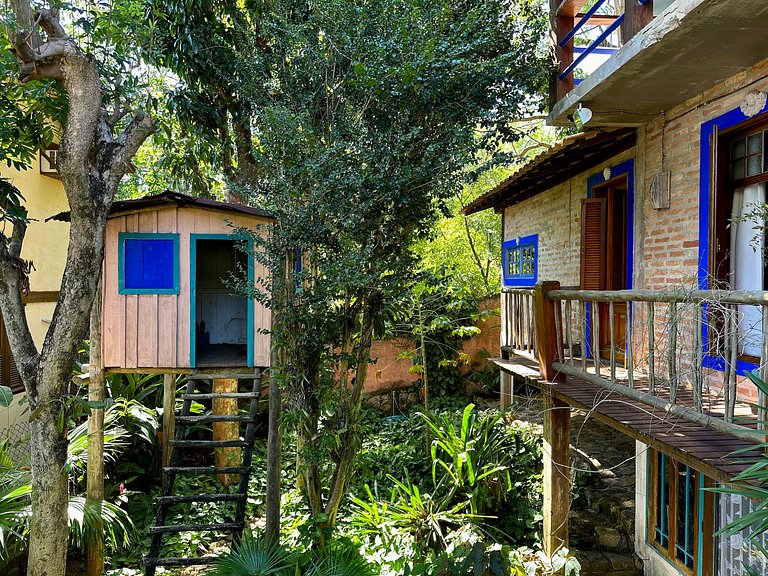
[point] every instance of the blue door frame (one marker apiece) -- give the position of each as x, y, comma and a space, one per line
193, 238
624, 168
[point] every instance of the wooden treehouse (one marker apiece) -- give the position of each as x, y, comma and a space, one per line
167, 308
166, 304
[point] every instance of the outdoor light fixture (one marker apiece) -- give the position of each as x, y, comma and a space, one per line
581, 116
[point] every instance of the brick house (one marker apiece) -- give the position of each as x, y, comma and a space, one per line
634, 283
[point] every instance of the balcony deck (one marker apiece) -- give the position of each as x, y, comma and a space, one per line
703, 448
689, 48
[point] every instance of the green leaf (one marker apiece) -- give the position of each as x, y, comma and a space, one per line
6, 396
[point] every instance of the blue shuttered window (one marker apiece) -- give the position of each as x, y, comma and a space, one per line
148, 263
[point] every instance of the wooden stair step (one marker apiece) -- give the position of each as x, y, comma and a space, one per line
179, 499
212, 395
209, 443
205, 470
176, 561
175, 528
214, 418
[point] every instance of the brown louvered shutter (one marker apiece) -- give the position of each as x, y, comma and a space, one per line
9, 374
593, 244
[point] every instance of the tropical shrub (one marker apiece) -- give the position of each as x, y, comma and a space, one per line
752, 483
86, 516
471, 461
253, 557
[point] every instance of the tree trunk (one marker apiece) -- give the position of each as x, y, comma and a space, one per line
227, 456
91, 163
48, 533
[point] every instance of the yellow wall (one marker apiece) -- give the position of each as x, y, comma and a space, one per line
45, 243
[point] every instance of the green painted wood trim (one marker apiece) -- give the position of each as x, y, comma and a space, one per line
193, 238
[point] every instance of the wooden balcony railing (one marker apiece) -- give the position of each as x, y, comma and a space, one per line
578, 33
519, 325
685, 352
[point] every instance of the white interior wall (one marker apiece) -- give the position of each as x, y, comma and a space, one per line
225, 315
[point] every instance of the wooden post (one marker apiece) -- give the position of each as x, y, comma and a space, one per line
546, 337
95, 467
562, 20
557, 485
226, 457
507, 395
274, 445
169, 415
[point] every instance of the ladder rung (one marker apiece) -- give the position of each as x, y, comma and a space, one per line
170, 500
214, 418
212, 395
209, 443
173, 561
196, 528
205, 470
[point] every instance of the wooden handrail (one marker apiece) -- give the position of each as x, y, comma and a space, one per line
753, 297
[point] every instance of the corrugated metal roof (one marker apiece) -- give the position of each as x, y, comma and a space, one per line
170, 197
567, 158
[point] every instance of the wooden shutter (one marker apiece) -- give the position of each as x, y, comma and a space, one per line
9, 374
593, 246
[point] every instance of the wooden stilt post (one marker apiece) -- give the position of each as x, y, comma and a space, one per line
226, 457
95, 467
507, 392
169, 415
274, 445
557, 485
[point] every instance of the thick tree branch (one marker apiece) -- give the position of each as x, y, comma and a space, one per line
128, 143
12, 277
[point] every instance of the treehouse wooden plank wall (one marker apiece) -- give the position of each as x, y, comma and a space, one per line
165, 304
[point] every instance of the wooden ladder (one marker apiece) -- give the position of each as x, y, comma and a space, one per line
153, 559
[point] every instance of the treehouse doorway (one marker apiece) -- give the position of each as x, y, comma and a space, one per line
222, 322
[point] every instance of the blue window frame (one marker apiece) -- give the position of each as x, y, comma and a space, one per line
148, 263
520, 261
708, 131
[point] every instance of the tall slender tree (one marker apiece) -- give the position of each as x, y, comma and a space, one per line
95, 151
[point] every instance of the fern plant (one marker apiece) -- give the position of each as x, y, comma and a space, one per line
87, 518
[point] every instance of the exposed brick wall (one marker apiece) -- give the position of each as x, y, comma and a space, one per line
392, 373
666, 242
555, 215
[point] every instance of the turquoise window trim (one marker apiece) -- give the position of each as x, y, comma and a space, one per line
699, 520
700, 529
122, 237
663, 531
687, 548
193, 238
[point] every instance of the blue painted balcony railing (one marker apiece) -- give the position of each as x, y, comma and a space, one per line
595, 45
